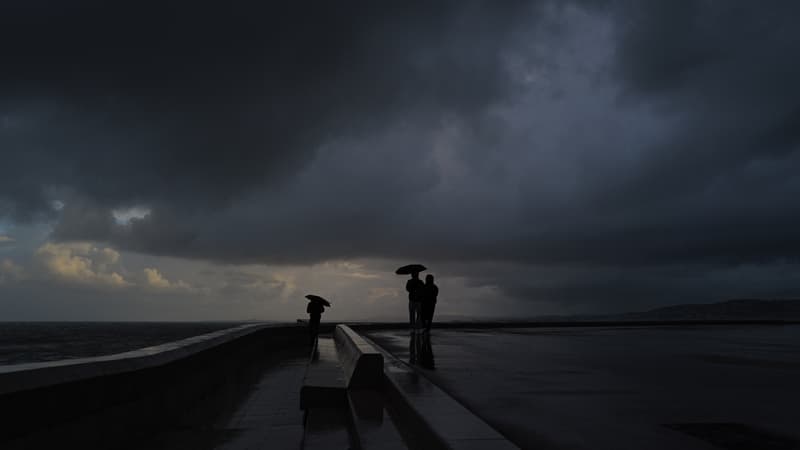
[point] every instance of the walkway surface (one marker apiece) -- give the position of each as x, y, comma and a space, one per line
620, 388
270, 417
259, 410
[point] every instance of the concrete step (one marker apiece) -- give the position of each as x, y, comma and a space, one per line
433, 413
326, 429
371, 422
324, 383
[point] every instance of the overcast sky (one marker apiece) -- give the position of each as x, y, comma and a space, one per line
186, 161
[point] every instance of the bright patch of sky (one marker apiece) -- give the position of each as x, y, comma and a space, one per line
125, 215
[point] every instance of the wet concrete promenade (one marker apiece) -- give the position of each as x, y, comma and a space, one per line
269, 417
266, 410
699, 386
262, 412
621, 388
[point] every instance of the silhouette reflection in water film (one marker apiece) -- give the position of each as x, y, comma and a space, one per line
420, 350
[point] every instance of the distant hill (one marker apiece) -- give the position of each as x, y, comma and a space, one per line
740, 309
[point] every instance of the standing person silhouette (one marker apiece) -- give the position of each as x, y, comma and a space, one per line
314, 310
414, 286
429, 293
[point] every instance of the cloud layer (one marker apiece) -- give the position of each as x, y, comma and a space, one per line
558, 151
191, 106
81, 263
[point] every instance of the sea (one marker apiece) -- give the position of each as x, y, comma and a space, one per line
26, 342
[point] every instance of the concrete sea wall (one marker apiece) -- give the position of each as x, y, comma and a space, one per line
113, 401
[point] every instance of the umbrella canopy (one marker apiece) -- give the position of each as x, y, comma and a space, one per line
318, 299
409, 269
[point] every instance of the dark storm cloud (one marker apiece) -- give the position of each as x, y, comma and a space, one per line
729, 68
722, 184
607, 289
719, 74
190, 104
614, 141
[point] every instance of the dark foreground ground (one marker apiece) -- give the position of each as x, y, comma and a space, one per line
258, 409
694, 387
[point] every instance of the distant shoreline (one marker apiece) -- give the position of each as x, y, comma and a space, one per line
575, 323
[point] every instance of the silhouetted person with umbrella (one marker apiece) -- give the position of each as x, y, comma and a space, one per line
415, 287
315, 308
315, 311
429, 293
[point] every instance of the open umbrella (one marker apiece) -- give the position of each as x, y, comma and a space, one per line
318, 299
409, 269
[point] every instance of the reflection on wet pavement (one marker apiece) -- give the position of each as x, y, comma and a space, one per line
616, 388
420, 350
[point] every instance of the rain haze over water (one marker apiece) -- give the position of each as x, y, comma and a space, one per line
23, 342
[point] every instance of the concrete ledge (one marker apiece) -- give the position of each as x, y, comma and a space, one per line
438, 414
113, 401
20, 377
362, 363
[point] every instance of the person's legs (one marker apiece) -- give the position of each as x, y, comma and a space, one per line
426, 315
429, 316
313, 327
411, 314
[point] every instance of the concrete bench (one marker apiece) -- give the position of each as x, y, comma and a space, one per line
324, 383
361, 361
346, 361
